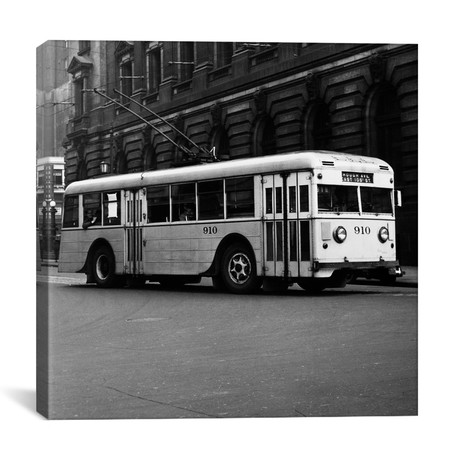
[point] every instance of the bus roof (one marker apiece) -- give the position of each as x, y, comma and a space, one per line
302, 160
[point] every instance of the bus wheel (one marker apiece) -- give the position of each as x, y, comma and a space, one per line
104, 267
311, 286
238, 270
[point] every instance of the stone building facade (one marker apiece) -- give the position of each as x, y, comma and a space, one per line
246, 99
54, 98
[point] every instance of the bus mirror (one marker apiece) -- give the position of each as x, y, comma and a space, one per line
398, 198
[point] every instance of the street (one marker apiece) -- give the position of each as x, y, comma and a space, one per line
194, 352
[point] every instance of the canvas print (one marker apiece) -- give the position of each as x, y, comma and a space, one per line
226, 229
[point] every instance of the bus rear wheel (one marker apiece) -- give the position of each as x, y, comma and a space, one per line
238, 270
104, 267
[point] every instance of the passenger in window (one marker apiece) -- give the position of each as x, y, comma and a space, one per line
187, 214
91, 218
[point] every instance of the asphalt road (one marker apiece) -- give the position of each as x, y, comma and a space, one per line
154, 353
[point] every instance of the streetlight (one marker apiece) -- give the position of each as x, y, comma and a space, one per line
104, 166
50, 246
43, 238
55, 244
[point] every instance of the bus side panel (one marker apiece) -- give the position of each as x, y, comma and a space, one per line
75, 245
189, 249
71, 257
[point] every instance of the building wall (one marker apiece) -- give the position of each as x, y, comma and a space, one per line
359, 99
54, 110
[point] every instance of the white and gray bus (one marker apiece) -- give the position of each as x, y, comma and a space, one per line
313, 218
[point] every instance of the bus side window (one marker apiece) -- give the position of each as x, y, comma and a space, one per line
210, 200
240, 197
70, 212
303, 192
183, 202
112, 208
92, 208
158, 203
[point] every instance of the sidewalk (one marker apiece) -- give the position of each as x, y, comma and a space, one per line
49, 273
410, 276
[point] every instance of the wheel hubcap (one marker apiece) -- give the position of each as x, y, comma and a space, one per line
102, 267
239, 268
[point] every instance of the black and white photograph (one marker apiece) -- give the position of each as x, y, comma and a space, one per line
222, 227
231, 255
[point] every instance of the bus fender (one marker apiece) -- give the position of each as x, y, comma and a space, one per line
87, 268
227, 241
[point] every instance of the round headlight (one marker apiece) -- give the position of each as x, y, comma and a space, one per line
340, 234
383, 234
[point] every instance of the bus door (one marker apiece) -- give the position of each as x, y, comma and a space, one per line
135, 212
286, 217
304, 234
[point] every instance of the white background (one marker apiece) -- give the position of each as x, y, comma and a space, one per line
25, 434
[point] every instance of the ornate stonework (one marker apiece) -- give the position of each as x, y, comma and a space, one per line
260, 99
311, 82
123, 48
377, 66
216, 114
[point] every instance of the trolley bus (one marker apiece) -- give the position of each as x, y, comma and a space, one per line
313, 218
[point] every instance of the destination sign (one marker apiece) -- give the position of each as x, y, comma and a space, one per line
364, 178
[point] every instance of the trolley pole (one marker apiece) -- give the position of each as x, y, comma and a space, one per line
200, 149
180, 147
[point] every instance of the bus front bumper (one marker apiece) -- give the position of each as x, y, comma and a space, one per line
368, 269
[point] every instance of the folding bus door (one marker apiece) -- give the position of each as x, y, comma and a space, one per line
135, 212
304, 232
280, 225
286, 214
292, 224
273, 225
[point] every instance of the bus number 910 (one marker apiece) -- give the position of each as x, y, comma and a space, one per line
210, 230
362, 230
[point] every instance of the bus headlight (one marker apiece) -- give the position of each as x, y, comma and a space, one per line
340, 234
383, 234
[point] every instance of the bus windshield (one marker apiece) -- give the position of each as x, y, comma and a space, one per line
376, 200
337, 198
344, 198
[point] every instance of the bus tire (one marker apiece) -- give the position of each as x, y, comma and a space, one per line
238, 270
103, 267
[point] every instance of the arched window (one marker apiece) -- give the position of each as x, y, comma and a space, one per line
221, 143
318, 127
150, 159
121, 163
265, 137
82, 172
